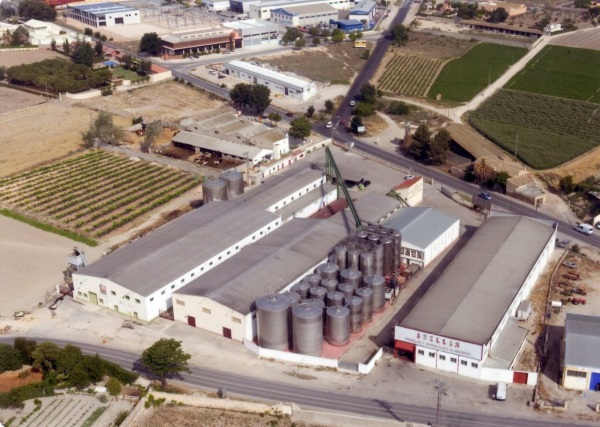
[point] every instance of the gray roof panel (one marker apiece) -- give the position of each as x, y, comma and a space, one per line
420, 226
582, 341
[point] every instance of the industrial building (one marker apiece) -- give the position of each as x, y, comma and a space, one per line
175, 45
104, 14
217, 5
349, 25
581, 364
363, 10
262, 9
277, 82
254, 32
410, 190
466, 321
300, 16
426, 233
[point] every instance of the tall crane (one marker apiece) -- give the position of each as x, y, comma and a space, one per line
332, 171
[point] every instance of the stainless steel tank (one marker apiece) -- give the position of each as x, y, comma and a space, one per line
352, 277
313, 280
367, 296
378, 287
318, 293
378, 264
215, 189
341, 253
328, 271
362, 235
334, 299
373, 238
397, 249
367, 261
272, 314
347, 289
388, 255
295, 296
329, 284
302, 289
352, 258
337, 325
235, 183
355, 305
307, 329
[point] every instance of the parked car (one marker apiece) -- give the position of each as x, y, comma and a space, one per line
501, 391
485, 196
342, 122
585, 228
289, 114
352, 103
329, 125
563, 243
408, 177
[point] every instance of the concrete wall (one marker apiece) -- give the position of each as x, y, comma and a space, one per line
84, 95
159, 77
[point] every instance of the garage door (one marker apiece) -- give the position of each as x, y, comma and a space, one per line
595, 381
520, 378
406, 346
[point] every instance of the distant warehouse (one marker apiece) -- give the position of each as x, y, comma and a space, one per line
300, 16
104, 14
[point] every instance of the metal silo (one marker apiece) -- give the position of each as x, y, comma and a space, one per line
362, 235
313, 280
341, 253
215, 189
318, 293
337, 321
347, 289
235, 183
329, 284
355, 305
302, 289
397, 248
367, 260
367, 296
334, 299
373, 238
328, 271
295, 296
388, 255
352, 258
378, 288
378, 264
353, 277
272, 314
307, 329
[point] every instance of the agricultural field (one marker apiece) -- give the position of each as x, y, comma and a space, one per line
463, 78
409, 75
93, 194
551, 131
566, 72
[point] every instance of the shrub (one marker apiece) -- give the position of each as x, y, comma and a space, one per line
113, 386
121, 417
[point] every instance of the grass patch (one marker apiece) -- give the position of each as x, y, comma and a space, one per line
49, 228
551, 130
94, 417
463, 78
561, 71
126, 74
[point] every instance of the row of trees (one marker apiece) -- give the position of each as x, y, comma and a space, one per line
36, 9
19, 37
426, 147
255, 97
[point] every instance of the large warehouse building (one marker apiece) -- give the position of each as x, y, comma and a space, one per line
300, 16
175, 45
262, 9
254, 32
458, 325
581, 365
104, 14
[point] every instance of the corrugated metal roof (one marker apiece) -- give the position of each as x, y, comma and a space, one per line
472, 295
309, 9
373, 207
420, 226
102, 8
582, 341
220, 145
147, 264
269, 265
363, 7
305, 200
269, 74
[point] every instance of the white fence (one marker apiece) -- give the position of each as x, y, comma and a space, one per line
506, 376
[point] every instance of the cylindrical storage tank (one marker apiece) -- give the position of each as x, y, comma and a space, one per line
215, 189
369, 280
374, 238
302, 289
307, 329
367, 261
318, 293
337, 325
272, 313
397, 249
352, 277
347, 289
378, 288
362, 235
352, 258
341, 253
378, 264
367, 296
313, 280
328, 271
334, 299
388, 255
329, 284
235, 183
355, 305
295, 296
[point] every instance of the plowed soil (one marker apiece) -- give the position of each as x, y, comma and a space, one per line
10, 380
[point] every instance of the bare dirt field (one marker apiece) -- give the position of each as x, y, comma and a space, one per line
11, 99
10, 59
580, 168
10, 380
434, 46
584, 40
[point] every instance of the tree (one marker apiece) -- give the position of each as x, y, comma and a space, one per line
329, 106
145, 67
10, 358
316, 41
84, 54
363, 109
20, 36
353, 36
398, 108
113, 386
399, 35
102, 130
260, 98
418, 143
36, 9
153, 131
69, 356
45, 356
567, 184
274, 117
498, 15
25, 348
300, 128
368, 93
483, 171
314, 31
355, 123
53, 45
66, 47
501, 179
337, 36
291, 35
165, 358
300, 43
310, 111
437, 149
79, 377
240, 95
151, 44
88, 31
98, 50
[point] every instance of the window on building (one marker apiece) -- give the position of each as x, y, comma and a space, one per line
453, 359
80, 294
442, 357
463, 362
206, 310
474, 365
151, 299
182, 280
101, 300
577, 374
127, 297
113, 293
431, 354
162, 292
180, 302
236, 320
421, 352
172, 286
137, 300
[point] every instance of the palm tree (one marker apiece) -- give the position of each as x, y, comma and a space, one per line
483, 171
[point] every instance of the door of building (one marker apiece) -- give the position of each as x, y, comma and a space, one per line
405, 349
595, 381
93, 297
192, 321
227, 333
520, 378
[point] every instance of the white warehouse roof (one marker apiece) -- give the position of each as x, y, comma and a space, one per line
220, 145
101, 9
274, 76
420, 226
582, 341
472, 295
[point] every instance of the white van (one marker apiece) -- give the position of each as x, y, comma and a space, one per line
585, 228
501, 391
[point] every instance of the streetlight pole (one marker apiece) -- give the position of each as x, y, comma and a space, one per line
441, 388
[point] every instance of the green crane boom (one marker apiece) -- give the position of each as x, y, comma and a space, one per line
332, 171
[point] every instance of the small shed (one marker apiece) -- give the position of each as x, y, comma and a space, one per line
524, 310
349, 25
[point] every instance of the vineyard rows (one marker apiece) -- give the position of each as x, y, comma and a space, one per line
409, 75
62, 412
95, 193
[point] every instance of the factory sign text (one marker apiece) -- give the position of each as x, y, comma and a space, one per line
436, 342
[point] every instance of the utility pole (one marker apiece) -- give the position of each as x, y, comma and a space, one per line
441, 388
516, 146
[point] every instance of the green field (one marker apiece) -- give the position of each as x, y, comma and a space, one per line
126, 74
551, 131
409, 75
463, 78
561, 71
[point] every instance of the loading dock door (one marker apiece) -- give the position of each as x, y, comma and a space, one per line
191, 321
93, 297
405, 349
595, 381
520, 378
227, 333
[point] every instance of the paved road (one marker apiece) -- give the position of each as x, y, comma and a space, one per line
382, 407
